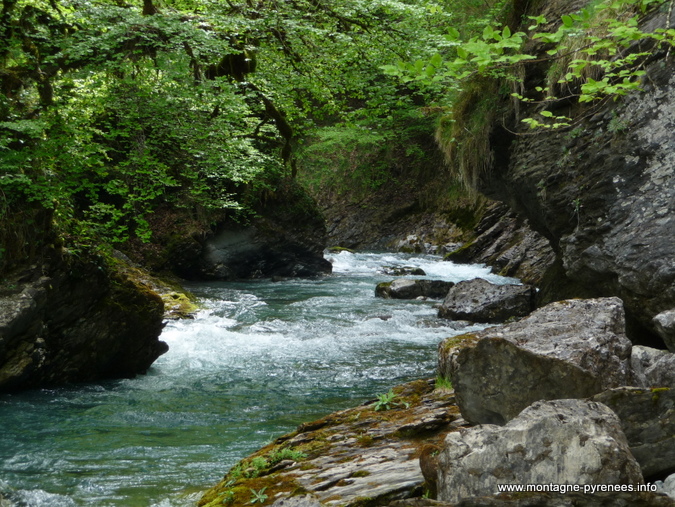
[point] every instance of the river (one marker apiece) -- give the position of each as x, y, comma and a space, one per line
259, 359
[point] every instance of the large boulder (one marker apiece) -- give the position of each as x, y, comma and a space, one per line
478, 300
406, 288
83, 320
652, 367
550, 442
648, 420
568, 349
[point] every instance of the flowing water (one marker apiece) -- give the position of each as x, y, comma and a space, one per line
261, 358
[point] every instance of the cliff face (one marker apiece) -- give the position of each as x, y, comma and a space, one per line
603, 193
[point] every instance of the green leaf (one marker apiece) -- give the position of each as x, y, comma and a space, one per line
567, 21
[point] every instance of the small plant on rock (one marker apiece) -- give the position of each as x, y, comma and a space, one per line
388, 401
258, 496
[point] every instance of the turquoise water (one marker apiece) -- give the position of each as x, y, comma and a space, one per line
259, 359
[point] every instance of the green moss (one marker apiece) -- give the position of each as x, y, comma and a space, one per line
338, 249
449, 343
462, 254
656, 393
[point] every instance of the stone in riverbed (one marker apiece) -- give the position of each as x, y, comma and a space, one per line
550, 442
568, 349
478, 300
405, 288
402, 271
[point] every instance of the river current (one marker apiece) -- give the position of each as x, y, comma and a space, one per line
259, 359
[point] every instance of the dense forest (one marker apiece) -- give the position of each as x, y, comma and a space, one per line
112, 111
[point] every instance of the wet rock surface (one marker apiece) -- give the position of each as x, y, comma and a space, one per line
550, 442
569, 349
412, 289
355, 454
648, 420
478, 300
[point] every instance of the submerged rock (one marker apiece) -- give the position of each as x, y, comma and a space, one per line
402, 271
478, 300
569, 349
411, 289
648, 420
550, 442
81, 321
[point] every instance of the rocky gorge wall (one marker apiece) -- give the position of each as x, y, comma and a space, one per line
602, 192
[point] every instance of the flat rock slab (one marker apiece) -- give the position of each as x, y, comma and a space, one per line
550, 442
350, 456
648, 420
568, 349
478, 300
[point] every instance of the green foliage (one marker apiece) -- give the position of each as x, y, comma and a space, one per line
388, 401
443, 383
285, 453
258, 496
593, 47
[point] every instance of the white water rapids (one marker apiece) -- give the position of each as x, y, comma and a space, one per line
259, 359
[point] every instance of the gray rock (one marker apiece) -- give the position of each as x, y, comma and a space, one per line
506, 242
668, 486
664, 323
402, 271
298, 501
550, 442
286, 238
648, 420
652, 367
568, 349
478, 300
406, 288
